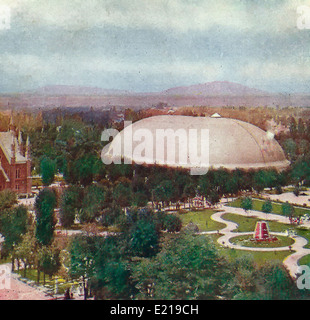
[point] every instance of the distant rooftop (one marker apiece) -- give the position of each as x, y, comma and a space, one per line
216, 115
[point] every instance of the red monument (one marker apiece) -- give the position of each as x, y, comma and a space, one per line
262, 232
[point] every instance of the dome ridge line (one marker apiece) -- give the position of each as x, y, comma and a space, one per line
260, 149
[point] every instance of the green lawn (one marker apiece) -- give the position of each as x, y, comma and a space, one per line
247, 241
5, 260
260, 258
304, 260
276, 207
202, 219
247, 224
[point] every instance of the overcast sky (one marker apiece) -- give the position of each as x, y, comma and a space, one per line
152, 45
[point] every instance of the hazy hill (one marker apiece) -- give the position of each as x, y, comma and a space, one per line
76, 90
216, 94
216, 88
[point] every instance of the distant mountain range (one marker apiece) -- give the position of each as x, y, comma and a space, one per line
218, 93
76, 90
216, 88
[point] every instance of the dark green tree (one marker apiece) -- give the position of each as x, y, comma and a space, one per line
49, 261
246, 203
191, 263
267, 206
172, 223
45, 204
7, 199
93, 203
70, 205
82, 257
14, 223
144, 238
122, 194
48, 170
111, 279
287, 210
276, 284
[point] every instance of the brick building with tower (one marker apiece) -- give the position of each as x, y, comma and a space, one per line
15, 163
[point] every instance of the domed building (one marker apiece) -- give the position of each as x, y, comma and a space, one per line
230, 143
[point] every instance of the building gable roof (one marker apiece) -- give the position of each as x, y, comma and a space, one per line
6, 141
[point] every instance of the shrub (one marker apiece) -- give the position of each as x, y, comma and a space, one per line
172, 223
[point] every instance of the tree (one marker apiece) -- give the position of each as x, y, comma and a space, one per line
82, 256
7, 199
122, 194
293, 127
115, 171
259, 181
189, 191
230, 186
213, 197
111, 279
264, 179
45, 220
191, 263
172, 223
111, 215
144, 239
212, 185
267, 206
48, 170
84, 169
49, 260
301, 128
243, 282
290, 148
26, 250
276, 283
92, 204
246, 203
164, 192
70, 205
287, 210
139, 199
304, 147
300, 171
14, 224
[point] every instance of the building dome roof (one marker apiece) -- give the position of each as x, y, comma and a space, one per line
232, 143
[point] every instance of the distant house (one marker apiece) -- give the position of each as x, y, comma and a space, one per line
119, 117
216, 115
15, 163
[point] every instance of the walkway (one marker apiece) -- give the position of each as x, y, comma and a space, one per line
18, 290
290, 262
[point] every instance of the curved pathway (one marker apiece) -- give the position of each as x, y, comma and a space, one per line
290, 262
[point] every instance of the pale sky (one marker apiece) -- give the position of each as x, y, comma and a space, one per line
152, 45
